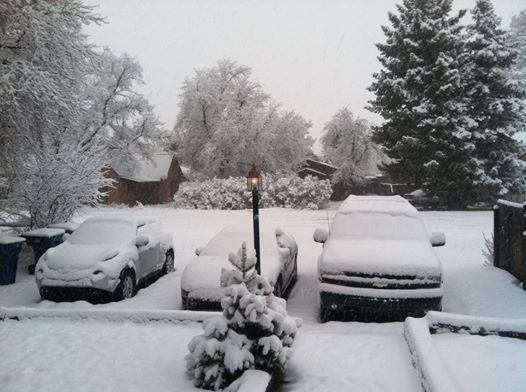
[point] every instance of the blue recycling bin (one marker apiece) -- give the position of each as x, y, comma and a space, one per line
9, 250
41, 240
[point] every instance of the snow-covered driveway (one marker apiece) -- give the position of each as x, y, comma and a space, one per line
331, 356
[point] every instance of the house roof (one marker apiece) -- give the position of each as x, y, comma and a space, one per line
152, 170
311, 170
322, 163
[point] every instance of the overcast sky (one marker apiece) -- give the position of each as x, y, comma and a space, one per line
312, 56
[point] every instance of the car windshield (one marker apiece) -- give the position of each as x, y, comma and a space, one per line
378, 226
103, 232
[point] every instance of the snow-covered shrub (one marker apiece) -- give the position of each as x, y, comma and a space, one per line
231, 193
254, 332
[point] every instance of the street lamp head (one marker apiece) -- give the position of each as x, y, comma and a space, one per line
254, 181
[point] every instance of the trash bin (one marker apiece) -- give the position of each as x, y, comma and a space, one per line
41, 240
9, 249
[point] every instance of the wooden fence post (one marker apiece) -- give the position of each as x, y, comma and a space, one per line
523, 238
496, 236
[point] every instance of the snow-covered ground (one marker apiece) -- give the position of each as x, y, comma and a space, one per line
331, 356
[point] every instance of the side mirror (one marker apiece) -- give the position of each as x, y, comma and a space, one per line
141, 240
320, 235
438, 238
198, 251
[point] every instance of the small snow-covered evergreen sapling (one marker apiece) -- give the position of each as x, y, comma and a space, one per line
254, 332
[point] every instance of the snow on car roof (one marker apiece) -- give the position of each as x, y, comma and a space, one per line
378, 235
392, 205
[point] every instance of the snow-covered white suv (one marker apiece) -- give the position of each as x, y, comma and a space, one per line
377, 262
105, 255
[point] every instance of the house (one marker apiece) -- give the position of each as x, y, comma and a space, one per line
153, 181
320, 170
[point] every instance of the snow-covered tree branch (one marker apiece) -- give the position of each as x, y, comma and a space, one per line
68, 110
347, 143
227, 122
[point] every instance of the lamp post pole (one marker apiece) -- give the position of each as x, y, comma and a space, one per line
254, 184
255, 218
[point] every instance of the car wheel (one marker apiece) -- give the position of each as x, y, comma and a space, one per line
168, 265
126, 288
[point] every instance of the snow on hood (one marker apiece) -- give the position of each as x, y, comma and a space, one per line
379, 257
69, 257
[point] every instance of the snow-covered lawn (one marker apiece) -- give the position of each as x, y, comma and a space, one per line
331, 356
58, 355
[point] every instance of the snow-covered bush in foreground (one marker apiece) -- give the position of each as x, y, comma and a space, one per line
231, 194
254, 332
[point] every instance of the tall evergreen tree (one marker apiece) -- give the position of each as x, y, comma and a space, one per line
496, 102
420, 94
518, 39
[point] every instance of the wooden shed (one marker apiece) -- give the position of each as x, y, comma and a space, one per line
321, 170
154, 181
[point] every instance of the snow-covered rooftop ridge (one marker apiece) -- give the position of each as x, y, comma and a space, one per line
510, 203
312, 171
392, 205
152, 170
322, 163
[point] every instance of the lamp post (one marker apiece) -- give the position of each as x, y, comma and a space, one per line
254, 184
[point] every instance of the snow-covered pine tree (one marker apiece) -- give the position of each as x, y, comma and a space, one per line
254, 332
518, 38
420, 94
496, 103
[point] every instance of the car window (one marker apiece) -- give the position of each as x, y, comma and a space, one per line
378, 226
102, 232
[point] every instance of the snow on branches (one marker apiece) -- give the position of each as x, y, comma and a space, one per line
347, 143
226, 123
447, 97
254, 332
231, 193
67, 110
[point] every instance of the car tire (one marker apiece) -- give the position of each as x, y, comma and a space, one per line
126, 287
324, 314
168, 265
295, 273
278, 288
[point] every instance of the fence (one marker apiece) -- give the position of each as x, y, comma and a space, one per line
509, 228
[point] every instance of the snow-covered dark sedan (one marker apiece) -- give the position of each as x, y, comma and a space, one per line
200, 282
105, 255
377, 262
